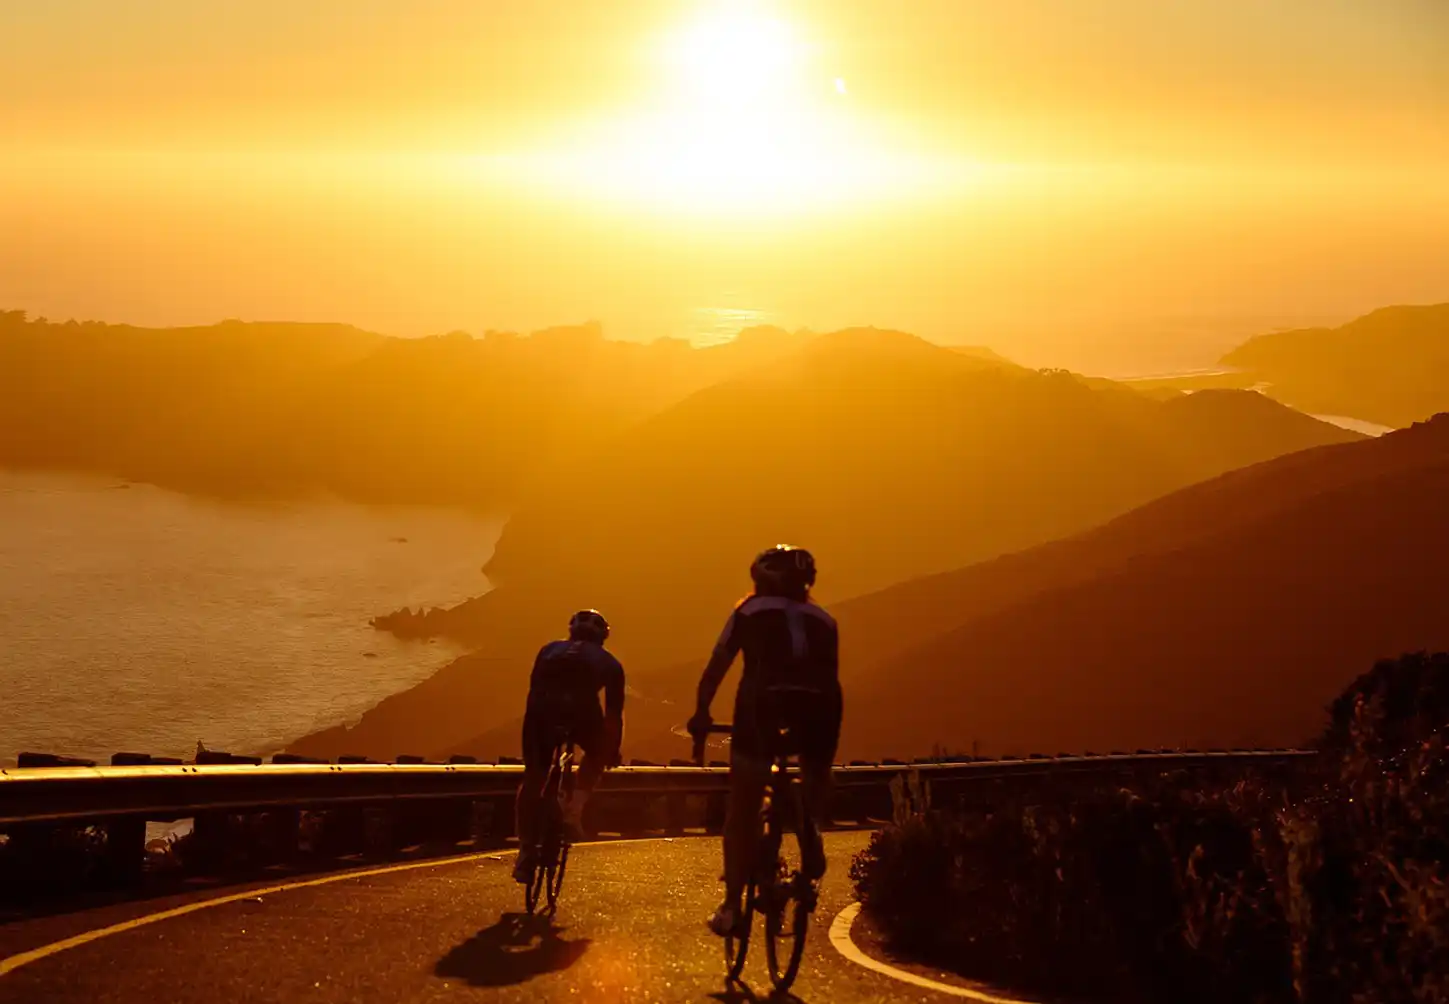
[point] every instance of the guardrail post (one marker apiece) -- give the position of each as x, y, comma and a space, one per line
284, 833
492, 822
460, 822
382, 832
342, 831
125, 854
436, 824
716, 807
674, 810
480, 820
209, 838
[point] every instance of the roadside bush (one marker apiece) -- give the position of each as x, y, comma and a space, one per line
36, 861
1328, 892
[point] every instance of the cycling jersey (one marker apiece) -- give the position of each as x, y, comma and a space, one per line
563, 694
791, 675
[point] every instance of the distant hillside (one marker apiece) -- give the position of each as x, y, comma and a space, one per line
1227, 613
274, 408
891, 457
1390, 366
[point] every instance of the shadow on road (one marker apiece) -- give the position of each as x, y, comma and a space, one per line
740, 993
512, 951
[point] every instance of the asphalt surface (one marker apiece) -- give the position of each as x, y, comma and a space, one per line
630, 927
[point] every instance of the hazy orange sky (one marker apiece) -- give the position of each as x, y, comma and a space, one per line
1109, 185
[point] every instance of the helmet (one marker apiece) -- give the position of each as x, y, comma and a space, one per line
783, 570
588, 625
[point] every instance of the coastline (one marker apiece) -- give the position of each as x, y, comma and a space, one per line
143, 620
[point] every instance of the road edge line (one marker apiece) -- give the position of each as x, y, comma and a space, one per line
11, 963
843, 943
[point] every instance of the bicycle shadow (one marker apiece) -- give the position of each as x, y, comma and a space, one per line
740, 993
515, 950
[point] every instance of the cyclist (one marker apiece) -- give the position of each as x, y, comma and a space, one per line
563, 699
790, 679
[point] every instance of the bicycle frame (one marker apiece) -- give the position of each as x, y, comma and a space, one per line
770, 891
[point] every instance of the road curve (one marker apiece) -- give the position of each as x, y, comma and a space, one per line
630, 928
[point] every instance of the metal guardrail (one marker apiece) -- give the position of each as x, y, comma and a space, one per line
255, 811
168, 792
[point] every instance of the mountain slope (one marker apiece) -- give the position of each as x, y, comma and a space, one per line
891, 457
1229, 613
1390, 366
277, 408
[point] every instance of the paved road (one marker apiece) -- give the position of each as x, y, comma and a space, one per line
630, 928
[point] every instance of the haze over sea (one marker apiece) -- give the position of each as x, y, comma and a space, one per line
134, 618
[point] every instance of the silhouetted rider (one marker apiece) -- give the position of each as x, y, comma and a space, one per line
791, 680
563, 701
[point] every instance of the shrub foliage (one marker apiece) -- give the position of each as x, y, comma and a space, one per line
1329, 890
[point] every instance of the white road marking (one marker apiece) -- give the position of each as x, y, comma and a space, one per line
14, 962
840, 938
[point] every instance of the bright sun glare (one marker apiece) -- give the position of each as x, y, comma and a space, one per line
743, 120
734, 57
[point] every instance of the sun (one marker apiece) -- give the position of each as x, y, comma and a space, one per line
742, 119
735, 56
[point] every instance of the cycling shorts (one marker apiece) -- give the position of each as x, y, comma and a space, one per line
545, 723
769, 722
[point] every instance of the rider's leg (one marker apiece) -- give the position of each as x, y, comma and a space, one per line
594, 757
748, 775
525, 814
530, 792
819, 729
815, 798
525, 807
586, 778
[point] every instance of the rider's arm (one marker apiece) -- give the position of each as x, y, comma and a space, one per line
533, 675
614, 691
613, 681
724, 654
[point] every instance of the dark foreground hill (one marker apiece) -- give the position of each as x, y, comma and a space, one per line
1390, 366
891, 457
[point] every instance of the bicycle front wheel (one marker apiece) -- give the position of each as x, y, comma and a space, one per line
534, 889
556, 877
785, 925
738, 945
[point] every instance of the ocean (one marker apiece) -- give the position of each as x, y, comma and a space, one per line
136, 618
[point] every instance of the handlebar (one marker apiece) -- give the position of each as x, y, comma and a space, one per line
718, 729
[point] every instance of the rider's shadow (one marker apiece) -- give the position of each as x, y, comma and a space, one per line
514, 950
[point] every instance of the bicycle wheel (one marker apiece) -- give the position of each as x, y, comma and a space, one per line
550, 828
790, 898
785, 926
534, 888
737, 946
556, 877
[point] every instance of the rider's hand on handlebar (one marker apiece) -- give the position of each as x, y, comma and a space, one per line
698, 726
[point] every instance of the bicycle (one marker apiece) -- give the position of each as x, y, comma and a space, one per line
783, 897
551, 848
